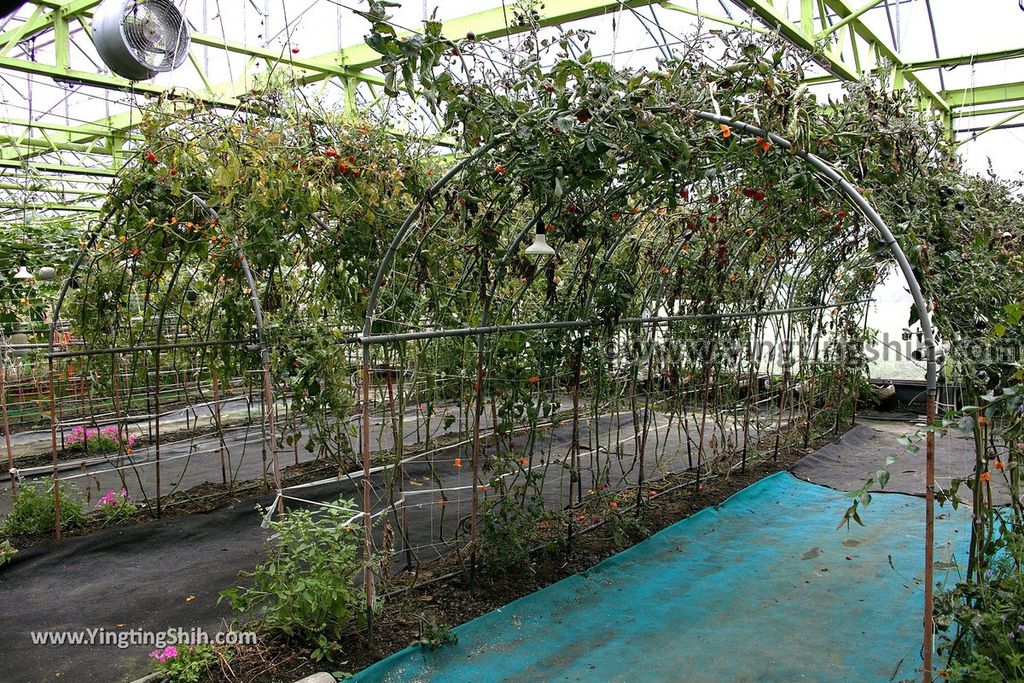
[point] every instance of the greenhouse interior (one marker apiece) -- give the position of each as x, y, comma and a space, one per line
511, 340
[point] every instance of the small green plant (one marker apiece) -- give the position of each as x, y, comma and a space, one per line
625, 528
186, 663
33, 511
507, 532
434, 635
306, 589
7, 552
116, 506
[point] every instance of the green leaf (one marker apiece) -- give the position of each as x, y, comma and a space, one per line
883, 477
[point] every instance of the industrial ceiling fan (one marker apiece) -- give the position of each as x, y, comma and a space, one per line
139, 38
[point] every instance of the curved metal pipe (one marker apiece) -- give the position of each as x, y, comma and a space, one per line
825, 170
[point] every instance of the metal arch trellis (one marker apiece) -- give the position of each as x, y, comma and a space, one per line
52, 354
481, 331
367, 339
823, 169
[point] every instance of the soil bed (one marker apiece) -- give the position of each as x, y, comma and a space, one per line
441, 593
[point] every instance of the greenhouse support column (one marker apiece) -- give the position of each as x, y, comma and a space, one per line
156, 426
574, 444
122, 426
268, 401
7, 429
929, 528
367, 518
478, 409
53, 449
398, 436
215, 382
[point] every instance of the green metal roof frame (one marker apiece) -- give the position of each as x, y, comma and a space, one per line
834, 30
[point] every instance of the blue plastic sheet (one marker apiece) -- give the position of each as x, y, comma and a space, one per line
761, 588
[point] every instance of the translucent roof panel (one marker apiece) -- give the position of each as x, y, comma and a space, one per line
60, 107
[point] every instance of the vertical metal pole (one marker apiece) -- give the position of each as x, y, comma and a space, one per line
263, 430
268, 401
929, 522
53, 451
367, 518
156, 424
215, 381
403, 517
574, 445
297, 436
7, 426
478, 408
122, 426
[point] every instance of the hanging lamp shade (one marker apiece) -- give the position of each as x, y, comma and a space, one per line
20, 342
23, 274
540, 246
47, 274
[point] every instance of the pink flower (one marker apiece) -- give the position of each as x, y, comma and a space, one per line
169, 652
110, 499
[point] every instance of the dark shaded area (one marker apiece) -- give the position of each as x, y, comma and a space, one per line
137, 577
846, 463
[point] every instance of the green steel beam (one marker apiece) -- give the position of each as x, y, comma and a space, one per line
848, 19
280, 56
802, 34
713, 18
866, 33
68, 75
974, 134
58, 168
61, 40
961, 113
492, 23
83, 208
52, 4
985, 94
965, 60
50, 190
10, 142
9, 39
939, 62
18, 176
41, 22
84, 128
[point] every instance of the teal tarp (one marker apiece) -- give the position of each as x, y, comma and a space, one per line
761, 588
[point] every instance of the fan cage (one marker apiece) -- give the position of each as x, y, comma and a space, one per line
155, 33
